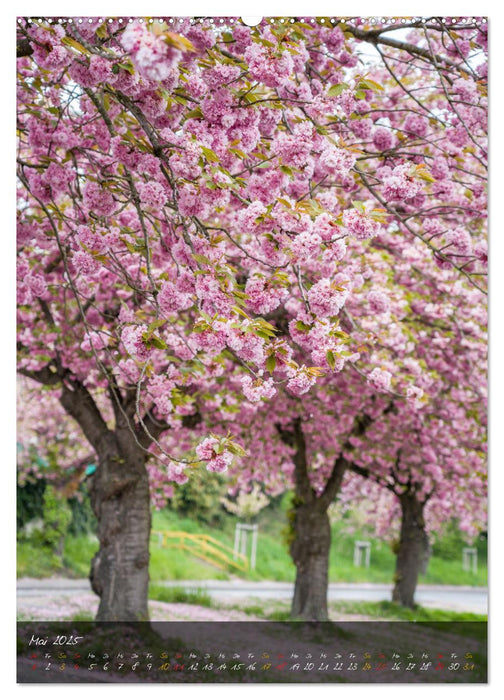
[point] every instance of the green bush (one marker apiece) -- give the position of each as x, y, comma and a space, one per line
450, 543
199, 498
57, 516
29, 501
83, 519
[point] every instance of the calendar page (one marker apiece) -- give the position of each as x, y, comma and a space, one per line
252, 349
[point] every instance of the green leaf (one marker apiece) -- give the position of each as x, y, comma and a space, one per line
69, 41
202, 259
331, 361
179, 41
303, 327
367, 84
158, 343
271, 363
237, 152
424, 174
235, 449
210, 155
156, 324
194, 114
337, 89
102, 31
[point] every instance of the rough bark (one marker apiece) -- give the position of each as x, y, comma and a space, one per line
311, 541
120, 500
310, 553
412, 552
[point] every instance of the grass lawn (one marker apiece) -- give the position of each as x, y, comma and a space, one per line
279, 610
273, 560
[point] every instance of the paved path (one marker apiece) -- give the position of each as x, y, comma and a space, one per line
458, 598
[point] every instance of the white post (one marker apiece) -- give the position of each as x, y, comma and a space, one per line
362, 553
254, 547
470, 559
236, 547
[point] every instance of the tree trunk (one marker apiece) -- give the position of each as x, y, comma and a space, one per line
120, 499
412, 552
310, 553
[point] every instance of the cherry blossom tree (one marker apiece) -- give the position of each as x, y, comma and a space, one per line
49, 442
212, 217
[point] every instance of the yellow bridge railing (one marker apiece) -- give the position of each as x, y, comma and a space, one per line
204, 547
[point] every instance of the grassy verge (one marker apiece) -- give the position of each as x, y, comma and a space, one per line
273, 560
176, 594
393, 611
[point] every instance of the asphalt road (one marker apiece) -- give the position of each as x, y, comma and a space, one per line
458, 598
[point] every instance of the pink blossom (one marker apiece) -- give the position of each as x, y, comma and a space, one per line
190, 202
383, 138
37, 284
363, 128
416, 125
378, 302
334, 40
152, 56
171, 300
98, 199
325, 300
380, 378
267, 67
360, 225
414, 394
175, 472
294, 149
266, 186
94, 341
195, 86
440, 168
133, 342
263, 297
460, 240
202, 37
205, 450
481, 251
220, 463
399, 184
58, 177
336, 161
242, 37
466, 89
221, 74
215, 462
152, 193
247, 217
305, 246
257, 389
300, 381
85, 262
247, 346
